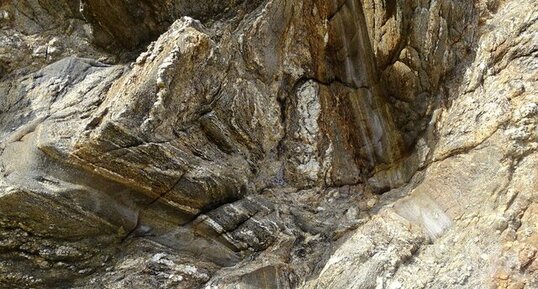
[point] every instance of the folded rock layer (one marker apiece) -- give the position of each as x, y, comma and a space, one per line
268, 144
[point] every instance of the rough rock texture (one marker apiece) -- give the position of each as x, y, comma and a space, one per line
269, 144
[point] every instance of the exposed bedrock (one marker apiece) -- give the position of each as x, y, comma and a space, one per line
128, 25
268, 144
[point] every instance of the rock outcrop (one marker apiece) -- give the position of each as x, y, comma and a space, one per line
269, 144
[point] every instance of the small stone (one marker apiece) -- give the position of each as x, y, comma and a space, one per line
4, 15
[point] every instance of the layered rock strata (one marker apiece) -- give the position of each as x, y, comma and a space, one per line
268, 144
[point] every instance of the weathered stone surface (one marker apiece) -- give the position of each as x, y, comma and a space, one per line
268, 144
34, 33
128, 25
416, 44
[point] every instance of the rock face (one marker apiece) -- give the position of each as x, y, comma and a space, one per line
269, 144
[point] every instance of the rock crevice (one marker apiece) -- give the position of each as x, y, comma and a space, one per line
268, 144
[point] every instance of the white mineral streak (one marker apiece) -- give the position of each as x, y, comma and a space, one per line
164, 78
309, 109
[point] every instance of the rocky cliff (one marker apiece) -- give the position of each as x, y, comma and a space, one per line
269, 144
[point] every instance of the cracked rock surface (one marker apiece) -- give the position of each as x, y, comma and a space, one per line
269, 144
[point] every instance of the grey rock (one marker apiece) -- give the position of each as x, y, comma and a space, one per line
268, 144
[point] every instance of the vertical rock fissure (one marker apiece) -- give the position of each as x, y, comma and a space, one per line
373, 137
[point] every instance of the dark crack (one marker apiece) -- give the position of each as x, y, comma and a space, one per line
146, 207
